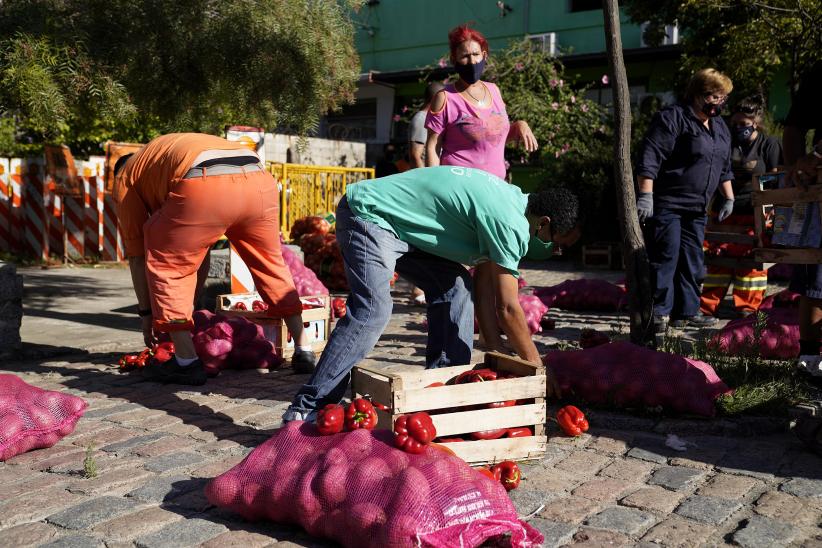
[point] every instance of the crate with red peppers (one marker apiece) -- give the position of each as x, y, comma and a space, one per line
316, 316
505, 395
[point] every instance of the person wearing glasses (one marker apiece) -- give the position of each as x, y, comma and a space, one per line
686, 155
753, 153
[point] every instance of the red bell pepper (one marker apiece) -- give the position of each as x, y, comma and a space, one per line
485, 471
476, 375
521, 432
572, 421
360, 414
259, 306
449, 440
508, 473
413, 432
488, 434
331, 419
240, 306
380, 406
435, 384
162, 352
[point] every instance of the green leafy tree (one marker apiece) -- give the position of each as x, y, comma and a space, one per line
82, 71
750, 40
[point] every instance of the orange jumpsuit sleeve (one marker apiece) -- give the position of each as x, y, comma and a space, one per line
131, 216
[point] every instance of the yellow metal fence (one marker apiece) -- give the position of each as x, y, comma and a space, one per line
312, 190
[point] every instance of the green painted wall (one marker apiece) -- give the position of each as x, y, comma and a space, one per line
396, 35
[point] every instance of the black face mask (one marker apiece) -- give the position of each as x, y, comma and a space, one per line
712, 110
742, 134
470, 73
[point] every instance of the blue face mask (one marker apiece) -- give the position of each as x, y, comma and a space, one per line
742, 134
470, 73
539, 250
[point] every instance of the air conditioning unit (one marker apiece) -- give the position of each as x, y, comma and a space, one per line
545, 42
671, 35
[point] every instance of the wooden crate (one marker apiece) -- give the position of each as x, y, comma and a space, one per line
763, 201
404, 392
316, 319
718, 233
598, 255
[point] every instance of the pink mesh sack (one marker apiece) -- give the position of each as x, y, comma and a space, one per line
627, 375
33, 418
305, 280
779, 340
599, 295
534, 310
356, 488
231, 342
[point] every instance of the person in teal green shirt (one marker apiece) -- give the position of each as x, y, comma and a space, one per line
426, 224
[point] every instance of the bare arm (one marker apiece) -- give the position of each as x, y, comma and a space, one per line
432, 149
510, 315
137, 266
415, 151
521, 132
727, 189
645, 184
485, 307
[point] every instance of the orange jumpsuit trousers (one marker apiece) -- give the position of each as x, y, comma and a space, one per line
197, 211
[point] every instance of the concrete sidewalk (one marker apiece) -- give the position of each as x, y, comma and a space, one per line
746, 482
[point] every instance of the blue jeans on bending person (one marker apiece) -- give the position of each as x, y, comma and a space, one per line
371, 256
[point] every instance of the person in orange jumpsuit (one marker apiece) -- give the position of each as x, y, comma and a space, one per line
175, 197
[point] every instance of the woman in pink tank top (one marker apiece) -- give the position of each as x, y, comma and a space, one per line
467, 122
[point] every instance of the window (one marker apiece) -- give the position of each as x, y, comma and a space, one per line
586, 5
357, 122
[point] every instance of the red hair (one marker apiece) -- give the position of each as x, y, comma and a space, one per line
464, 33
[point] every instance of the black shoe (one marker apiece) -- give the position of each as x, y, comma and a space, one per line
171, 372
303, 362
699, 320
660, 324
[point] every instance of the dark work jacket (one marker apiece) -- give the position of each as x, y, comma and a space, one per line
686, 160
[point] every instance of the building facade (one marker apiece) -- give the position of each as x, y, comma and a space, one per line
400, 41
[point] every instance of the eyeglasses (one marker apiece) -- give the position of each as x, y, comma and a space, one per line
716, 98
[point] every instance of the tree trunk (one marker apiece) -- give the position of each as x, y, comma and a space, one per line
640, 297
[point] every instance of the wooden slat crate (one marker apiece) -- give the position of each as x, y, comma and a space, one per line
599, 255
405, 392
316, 319
763, 202
719, 233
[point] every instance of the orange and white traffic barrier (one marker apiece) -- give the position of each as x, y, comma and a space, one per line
112, 241
241, 280
54, 219
35, 203
16, 205
93, 212
74, 224
5, 206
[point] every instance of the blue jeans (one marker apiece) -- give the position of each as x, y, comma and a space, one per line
371, 256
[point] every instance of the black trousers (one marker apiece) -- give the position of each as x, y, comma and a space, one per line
674, 240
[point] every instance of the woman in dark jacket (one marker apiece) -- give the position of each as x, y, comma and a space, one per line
686, 156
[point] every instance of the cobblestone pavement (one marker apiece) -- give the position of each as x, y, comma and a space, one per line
743, 482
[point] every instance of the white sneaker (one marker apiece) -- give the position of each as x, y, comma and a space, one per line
293, 415
811, 365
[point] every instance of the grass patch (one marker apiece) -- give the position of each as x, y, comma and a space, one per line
760, 386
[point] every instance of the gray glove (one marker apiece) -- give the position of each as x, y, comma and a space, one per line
727, 209
645, 206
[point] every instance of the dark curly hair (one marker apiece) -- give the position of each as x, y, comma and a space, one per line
121, 161
560, 204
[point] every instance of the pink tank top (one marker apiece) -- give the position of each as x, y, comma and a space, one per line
472, 136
